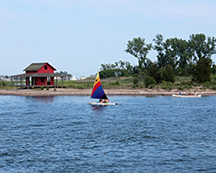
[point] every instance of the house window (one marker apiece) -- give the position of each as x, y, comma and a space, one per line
42, 79
45, 67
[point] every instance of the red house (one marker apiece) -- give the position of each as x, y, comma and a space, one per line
44, 68
38, 74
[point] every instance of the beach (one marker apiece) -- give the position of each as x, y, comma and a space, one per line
86, 92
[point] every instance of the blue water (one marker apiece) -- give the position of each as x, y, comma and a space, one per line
141, 134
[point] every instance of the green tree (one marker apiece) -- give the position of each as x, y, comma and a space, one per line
159, 47
174, 52
154, 72
181, 55
166, 54
201, 47
139, 49
213, 69
116, 69
202, 71
149, 81
167, 74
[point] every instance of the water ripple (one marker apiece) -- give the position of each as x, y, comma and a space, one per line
141, 134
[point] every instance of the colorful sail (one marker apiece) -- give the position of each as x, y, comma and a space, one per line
97, 91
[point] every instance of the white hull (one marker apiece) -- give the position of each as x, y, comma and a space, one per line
102, 104
186, 96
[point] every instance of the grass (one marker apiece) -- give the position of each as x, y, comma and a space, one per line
182, 83
5, 84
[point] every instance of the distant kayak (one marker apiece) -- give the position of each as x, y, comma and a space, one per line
186, 96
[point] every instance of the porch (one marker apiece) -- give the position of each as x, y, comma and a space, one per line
29, 80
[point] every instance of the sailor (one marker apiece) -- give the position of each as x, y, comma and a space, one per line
104, 101
101, 101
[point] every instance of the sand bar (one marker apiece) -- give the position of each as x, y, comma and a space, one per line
87, 92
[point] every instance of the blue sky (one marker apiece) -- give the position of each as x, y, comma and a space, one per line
78, 36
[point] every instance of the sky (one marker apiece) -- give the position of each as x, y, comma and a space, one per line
78, 36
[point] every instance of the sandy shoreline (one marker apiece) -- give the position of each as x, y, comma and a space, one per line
87, 92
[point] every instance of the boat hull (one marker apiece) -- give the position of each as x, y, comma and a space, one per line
101, 104
186, 96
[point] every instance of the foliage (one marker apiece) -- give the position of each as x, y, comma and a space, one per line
114, 83
182, 54
168, 74
149, 81
139, 49
108, 73
154, 72
202, 71
202, 47
213, 69
175, 57
135, 81
63, 73
117, 69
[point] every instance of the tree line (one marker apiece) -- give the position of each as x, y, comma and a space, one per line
175, 56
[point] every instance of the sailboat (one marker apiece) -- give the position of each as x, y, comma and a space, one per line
98, 93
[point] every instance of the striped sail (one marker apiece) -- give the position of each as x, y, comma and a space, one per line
97, 91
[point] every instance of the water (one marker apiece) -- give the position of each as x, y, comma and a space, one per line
141, 134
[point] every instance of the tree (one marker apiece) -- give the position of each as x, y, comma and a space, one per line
174, 52
200, 47
166, 54
153, 71
149, 81
116, 69
167, 74
202, 71
159, 47
213, 69
181, 55
138, 48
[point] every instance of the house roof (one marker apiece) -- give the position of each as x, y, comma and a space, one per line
36, 66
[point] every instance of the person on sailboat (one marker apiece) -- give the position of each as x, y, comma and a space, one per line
104, 101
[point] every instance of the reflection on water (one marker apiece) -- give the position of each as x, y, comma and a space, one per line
98, 108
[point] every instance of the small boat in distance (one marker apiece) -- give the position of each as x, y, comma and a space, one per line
187, 96
98, 93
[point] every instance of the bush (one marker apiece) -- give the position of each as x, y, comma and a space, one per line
168, 74
42, 88
135, 81
149, 81
180, 88
214, 88
154, 72
114, 83
167, 85
202, 71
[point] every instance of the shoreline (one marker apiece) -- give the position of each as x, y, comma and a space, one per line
87, 92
